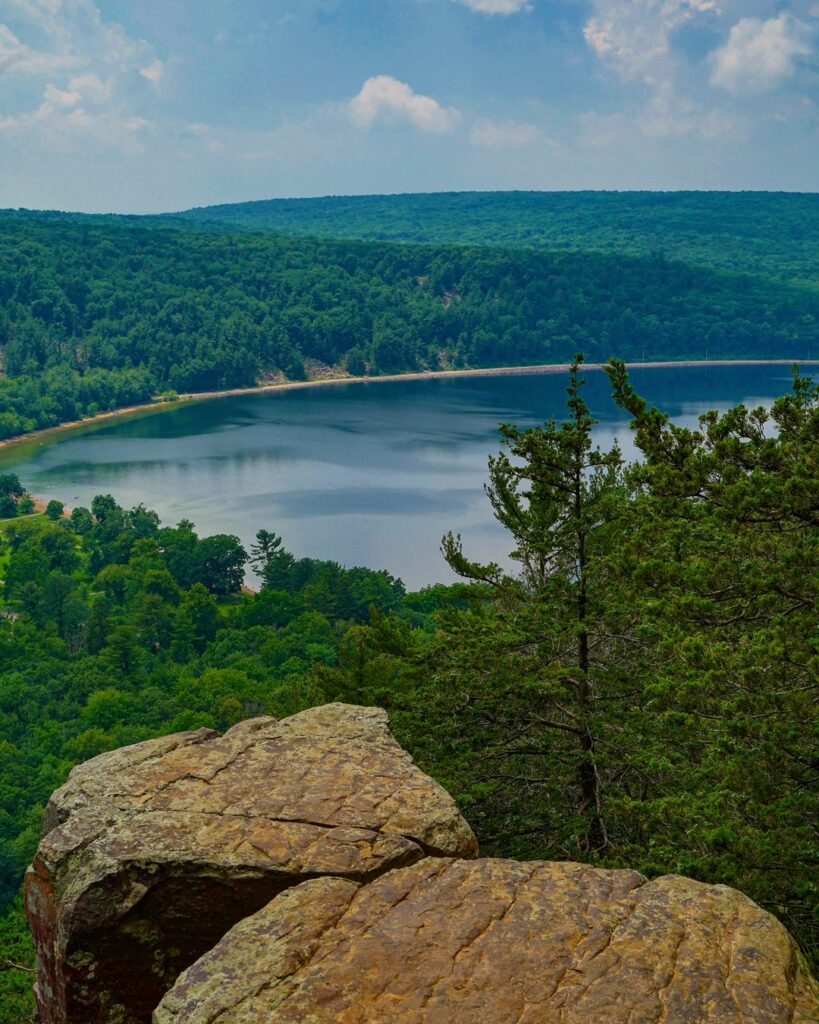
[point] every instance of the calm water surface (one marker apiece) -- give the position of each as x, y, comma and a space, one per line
366, 474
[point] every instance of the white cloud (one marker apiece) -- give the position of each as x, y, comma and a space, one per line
634, 36
503, 134
70, 129
385, 97
496, 6
71, 37
16, 56
196, 130
60, 97
91, 87
88, 67
153, 72
670, 116
760, 54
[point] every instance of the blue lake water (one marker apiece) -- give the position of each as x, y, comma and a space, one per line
367, 474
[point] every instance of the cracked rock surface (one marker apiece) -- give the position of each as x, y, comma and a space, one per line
500, 942
151, 853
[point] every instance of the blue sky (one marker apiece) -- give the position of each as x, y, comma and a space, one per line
148, 105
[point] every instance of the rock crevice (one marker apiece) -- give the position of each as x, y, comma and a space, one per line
501, 943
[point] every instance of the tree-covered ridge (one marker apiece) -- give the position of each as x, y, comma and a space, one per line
761, 232
94, 316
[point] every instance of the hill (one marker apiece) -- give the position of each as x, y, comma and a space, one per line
760, 232
95, 315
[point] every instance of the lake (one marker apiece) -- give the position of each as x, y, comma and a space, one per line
367, 474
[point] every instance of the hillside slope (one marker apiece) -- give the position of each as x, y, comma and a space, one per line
761, 232
96, 315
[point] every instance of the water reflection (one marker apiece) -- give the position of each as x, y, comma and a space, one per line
367, 474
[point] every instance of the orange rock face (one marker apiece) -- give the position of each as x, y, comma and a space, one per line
151, 853
306, 872
499, 942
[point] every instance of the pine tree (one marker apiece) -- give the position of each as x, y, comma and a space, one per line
540, 655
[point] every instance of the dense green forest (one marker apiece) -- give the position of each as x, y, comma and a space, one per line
762, 232
640, 690
95, 315
768, 233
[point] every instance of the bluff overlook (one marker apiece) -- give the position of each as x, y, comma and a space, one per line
307, 870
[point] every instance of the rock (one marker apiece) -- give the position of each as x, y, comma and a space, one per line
151, 853
499, 942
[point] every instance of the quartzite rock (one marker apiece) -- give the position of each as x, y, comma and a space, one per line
151, 853
500, 942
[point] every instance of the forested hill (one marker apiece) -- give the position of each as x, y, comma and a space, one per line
761, 232
94, 315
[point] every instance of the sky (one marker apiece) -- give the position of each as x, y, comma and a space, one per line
153, 105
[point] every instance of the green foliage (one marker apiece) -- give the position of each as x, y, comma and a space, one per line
96, 315
761, 232
55, 509
641, 690
14, 499
16, 967
539, 657
10, 486
120, 631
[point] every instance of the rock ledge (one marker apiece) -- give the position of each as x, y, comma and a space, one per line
500, 942
151, 853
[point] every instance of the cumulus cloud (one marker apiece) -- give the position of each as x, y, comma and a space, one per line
153, 72
55, 97
634, 36
760, 54
67, 127
22, 59
503, 134
88, 67
505, 7
91, 87
670, 116
384, 97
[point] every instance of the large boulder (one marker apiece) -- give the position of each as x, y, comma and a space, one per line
151, 853
500, 942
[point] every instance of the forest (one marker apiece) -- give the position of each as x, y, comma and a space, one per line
639, 690
769, 233
96, 314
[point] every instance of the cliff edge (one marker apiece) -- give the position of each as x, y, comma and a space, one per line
307, 870
151, 853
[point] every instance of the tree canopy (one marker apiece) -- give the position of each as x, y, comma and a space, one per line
97, 315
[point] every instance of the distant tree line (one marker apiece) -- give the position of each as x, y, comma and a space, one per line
771, 233
95, 316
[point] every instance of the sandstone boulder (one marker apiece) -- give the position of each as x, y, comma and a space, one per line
151, 853
499, 942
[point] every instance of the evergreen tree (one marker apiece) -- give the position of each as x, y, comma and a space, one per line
271, 562
539, 664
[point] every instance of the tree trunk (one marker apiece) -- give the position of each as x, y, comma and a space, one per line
596, 839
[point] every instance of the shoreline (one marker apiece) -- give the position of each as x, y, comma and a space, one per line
420, 375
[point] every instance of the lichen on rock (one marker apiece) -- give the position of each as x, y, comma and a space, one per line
500, 942
307, 871
151, 853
